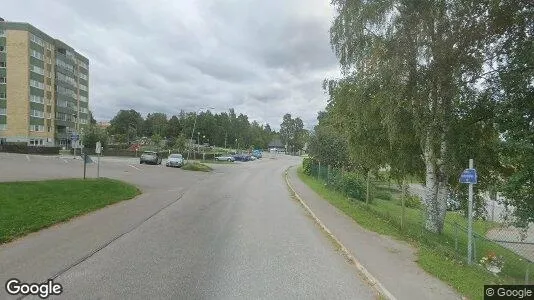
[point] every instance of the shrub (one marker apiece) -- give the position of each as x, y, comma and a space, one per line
307, 164
351, 184
195, 166
382, 194
412, 202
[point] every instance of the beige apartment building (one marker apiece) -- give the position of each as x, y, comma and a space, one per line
44, 88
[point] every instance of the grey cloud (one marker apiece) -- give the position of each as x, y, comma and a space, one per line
263, 58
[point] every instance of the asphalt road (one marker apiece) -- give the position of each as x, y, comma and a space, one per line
234, 233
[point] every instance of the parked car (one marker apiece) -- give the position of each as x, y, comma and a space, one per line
175, 160
257, 153
242, 157
225, 158
150, 157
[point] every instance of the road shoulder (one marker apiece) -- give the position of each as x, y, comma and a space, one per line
392, 263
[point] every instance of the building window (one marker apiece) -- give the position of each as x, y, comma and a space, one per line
37, 40
65, 91
37, 113
2, 80
65, 65
2, 64
2, 32
38, 142
39, 128
37, 84
36, 99
83, 76
3, 111
37, 70
2, 95
83, 98
37, 55
62, 103
2, 48
3, 126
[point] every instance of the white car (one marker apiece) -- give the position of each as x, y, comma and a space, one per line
175, 160
225, 158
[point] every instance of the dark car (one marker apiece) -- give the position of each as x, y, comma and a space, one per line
150, 157
242, 157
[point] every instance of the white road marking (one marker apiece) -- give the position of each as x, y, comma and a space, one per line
28, 157
135, 167
66, 161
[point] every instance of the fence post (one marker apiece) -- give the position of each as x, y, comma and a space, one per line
474, 254
403, 202
456, 237
368, 184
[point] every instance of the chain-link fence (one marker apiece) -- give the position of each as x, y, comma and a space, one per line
498, 249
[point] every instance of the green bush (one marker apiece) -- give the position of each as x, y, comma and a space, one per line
350, 184
195, 166
412, 202
307, 164
384, 195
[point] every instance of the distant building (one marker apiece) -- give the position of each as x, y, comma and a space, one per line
44, 87
276, 144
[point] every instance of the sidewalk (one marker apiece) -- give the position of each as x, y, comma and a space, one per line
392, 263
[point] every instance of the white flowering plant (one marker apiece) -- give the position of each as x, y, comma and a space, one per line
492, 261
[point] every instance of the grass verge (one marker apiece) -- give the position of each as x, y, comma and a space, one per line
216, 162
441, 255
33, 205
196, 166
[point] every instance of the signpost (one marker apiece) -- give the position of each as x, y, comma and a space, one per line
469, 176
98, 150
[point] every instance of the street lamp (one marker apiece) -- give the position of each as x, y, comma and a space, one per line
193, 131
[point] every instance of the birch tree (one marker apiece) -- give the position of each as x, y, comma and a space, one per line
420, 57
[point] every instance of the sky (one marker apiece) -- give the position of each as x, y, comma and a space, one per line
262, 58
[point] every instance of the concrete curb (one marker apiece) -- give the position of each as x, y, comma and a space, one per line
365, 273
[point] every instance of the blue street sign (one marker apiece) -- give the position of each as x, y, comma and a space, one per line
469, 176
74, 137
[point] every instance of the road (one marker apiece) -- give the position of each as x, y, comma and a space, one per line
234, 233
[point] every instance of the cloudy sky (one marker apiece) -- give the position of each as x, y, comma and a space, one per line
262, 58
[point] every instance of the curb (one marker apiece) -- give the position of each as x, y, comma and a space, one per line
375, 284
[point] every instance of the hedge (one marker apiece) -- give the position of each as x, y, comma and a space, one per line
25, 149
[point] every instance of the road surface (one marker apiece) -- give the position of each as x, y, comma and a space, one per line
234, 233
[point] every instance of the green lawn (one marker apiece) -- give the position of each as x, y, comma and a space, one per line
196, 166
441, 255
29, 206
217, 162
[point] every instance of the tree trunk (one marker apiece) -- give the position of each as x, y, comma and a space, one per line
436, 188
431, 187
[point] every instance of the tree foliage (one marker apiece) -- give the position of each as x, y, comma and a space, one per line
292, 133
417, 95
223, 129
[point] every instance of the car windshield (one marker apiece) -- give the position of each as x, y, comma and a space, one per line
175, 156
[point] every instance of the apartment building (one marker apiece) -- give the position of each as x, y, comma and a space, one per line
44, 87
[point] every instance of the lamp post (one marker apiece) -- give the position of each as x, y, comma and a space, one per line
193, 131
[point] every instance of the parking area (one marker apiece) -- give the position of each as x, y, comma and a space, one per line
17, 167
